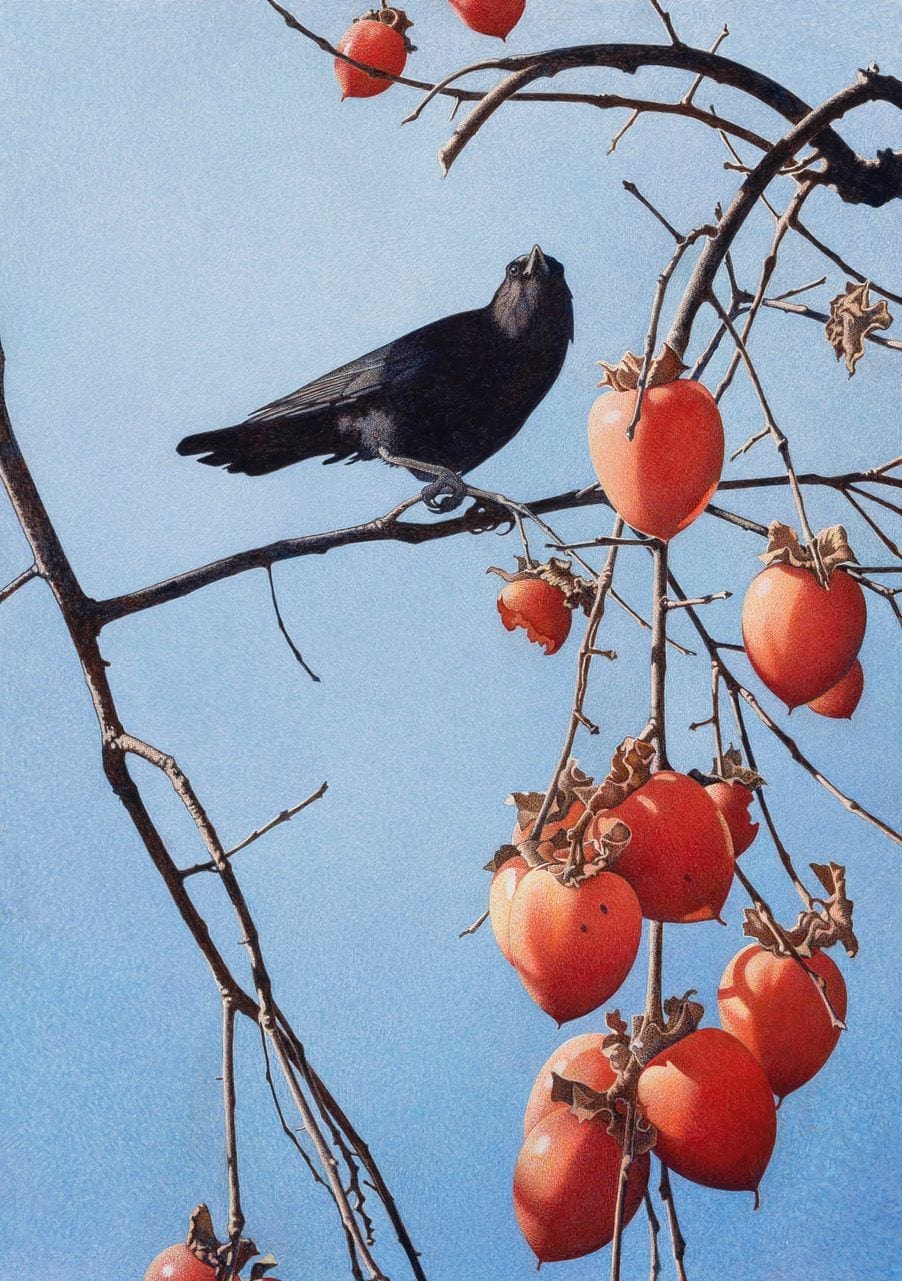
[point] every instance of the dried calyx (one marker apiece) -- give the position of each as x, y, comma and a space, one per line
395, 18
628, 1052
827, 922
204, 1244
578, 593
852, 318
785, 548
625, 375
731, 769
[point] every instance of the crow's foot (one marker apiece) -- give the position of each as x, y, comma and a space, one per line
487, 516
445, 493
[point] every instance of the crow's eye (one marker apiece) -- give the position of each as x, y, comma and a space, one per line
513, 269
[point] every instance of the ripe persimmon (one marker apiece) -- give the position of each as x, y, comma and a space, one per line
178, 1263
679, 858
771, 1005
378, 42
579, 1059
841, 699
573, 945
713, 1108
501, 895
663, 478
565, 1186
490, 17
539, 609
801, 638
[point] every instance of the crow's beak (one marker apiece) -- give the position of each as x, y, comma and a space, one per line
537, 262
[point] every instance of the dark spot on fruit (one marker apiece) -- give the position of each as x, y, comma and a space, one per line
584, 929
603, 907
687, 878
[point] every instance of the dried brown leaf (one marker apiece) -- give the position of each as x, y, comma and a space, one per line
852, 319
733, 770
605, 1107
826, 923
202, 1240
262, 1266
503, 854
625, 374
630, 769
245, 1250
571, 786
681, 1016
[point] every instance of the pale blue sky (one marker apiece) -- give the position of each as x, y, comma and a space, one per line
193, 224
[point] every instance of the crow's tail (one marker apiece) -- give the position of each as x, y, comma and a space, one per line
256, 448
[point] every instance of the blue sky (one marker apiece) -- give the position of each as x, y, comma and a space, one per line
194, 224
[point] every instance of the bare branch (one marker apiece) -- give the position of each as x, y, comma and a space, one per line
236, 1215
11, 588
283, 817
677, 1239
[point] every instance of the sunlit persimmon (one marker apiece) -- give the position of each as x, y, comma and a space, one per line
573, 945
733, 799
841, 700
490, 17
663, 478
565, 1186
679, 858
501, 896
377, 44
539, 609
579, 1059
801, 638
178, 1263
771, 1005
713, 1108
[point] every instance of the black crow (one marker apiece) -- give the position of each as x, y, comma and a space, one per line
448, 395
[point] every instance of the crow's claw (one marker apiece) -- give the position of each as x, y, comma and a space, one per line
445, 493
489, 516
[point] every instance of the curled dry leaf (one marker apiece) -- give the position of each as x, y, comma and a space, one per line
578, 593
573, 785
503, 854
205, 1245
785, 548
852, 318
733, 770
825, 924
630, 769
681, 1016
609, 839
262, 1266
625, 375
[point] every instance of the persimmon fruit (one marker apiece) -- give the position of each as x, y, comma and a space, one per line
377, 44
663, 478
178, 1263
841, 700
537, 607
579, 1059
490, 17
802, 638
679, 858
565, 1186
713, 1108
501, 896
733, 799
771, 1005
573, 945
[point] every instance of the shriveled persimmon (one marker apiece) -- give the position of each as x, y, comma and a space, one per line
579, 1059
490, 17
565, 1186
801, 638
573, 945
733, 799
713, 1108
841, 700
679, 858
376, 39
663, 478
771, 1005
537, 607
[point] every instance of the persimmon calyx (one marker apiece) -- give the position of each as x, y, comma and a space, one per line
397, 19
827, 922
573, 785
785, 548
732, 769
625, 374
204, 1244
630, 770
578, 593
852, 319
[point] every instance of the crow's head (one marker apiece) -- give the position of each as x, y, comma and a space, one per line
534, 300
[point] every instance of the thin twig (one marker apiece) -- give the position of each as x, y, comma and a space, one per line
284, 630
654, 1228
698, 600
677, 1240
284, 817
11, 588
236, 1214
